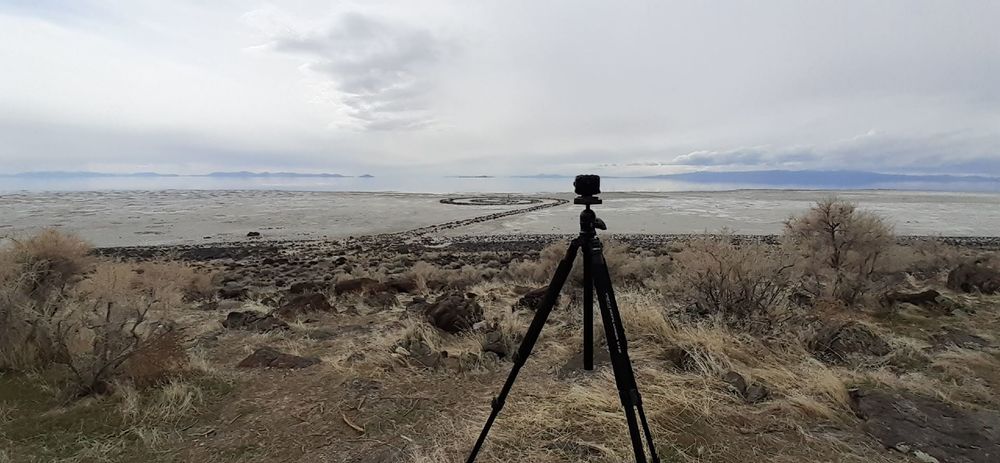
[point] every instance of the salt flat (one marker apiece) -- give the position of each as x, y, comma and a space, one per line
122, 218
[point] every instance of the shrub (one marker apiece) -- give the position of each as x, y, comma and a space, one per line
34, 274
56, 306
843, 249
734, 282
94, 340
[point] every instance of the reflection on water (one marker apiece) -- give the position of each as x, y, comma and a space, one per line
414, 184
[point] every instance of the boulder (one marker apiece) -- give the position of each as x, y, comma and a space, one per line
970, 277
253, 321
381, 300
679, 358
232, 290
913, 423
751, 393
355, 285
532, 299
269, 357
454, 312
922, 298
253, 234
736, 382
494, 342
948, 337
303, 304
303, 287
756, 393
839, 342
401, 285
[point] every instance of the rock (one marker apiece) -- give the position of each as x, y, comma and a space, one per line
401, 285
949, 336
253, 321
454, 312
307, 287
922, 298
269, 357
304, 304
751, 393
532, 299
934, 428
381, 300
355, 285
253, 234
494, 342
757, 393
418, 304
421, 354
340, 261
679, 358
970, 277
839, 342
736, 382
232, 290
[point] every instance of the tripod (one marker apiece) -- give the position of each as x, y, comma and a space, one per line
595, 277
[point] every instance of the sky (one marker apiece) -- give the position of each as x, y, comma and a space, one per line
499, 87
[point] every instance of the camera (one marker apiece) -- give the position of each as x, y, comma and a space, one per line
587, 185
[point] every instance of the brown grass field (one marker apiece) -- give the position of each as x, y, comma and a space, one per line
816, 345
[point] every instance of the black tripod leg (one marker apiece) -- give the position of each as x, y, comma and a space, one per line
628, 390
588, 309
530, 337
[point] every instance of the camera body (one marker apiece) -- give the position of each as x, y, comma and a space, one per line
586, 186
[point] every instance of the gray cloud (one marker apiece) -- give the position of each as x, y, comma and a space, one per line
379, 66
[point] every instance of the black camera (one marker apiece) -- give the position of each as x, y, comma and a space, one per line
587, 185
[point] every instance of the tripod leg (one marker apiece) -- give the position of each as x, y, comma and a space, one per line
588, 310
530, 337
628, 390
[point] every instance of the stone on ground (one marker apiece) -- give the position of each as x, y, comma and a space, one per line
912, 423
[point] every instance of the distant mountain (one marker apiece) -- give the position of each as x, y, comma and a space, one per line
270, 174
82, 174
821, 178
70, 174
542, 176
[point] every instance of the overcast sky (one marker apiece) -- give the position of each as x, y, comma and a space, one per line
499, 87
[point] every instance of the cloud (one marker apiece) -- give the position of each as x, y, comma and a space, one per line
379, 67
959, 152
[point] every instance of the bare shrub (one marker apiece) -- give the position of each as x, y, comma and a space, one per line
157, 361
34, 274
735, 282
95, 339
843, 249
52, 259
